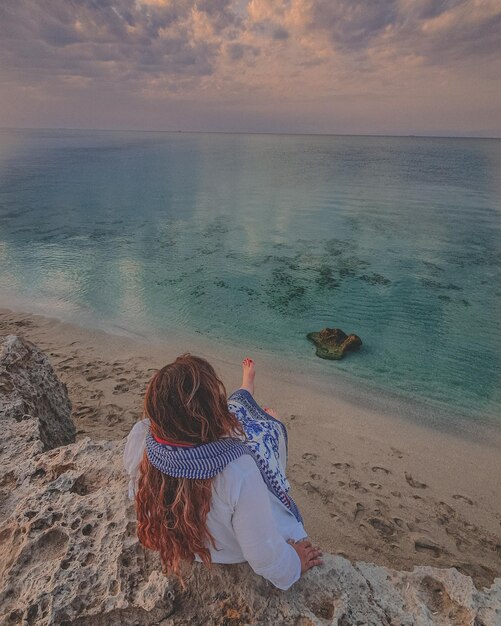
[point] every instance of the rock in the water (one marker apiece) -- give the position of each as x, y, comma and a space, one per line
29, 388
69, 556
333, 343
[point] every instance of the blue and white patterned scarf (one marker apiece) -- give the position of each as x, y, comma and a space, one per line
263, 433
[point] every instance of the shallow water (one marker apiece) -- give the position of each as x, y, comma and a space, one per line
264, 238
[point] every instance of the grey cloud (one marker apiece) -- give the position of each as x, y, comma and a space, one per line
237, 51
352, 24
270, 29
355, 25
428, 9
466, 40
221, 13
80, 37
280, 33
125, 40
467, 36
58, 35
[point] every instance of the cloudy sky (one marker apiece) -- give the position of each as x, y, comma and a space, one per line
323, 66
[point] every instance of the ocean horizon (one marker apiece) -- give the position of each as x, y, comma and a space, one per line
431, 135
262, 238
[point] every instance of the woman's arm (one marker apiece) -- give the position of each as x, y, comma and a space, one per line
265, 549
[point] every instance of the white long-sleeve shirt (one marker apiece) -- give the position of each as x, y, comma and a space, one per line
247, 521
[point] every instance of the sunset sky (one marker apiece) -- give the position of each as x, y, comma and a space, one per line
321, 66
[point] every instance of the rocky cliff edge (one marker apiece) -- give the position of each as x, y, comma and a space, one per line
69, 555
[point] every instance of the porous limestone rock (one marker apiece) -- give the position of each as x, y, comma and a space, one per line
333, 343
69, 552
29, 388
69, 556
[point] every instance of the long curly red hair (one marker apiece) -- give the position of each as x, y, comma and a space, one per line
186, 403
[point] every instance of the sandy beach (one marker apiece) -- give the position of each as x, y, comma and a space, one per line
371, 486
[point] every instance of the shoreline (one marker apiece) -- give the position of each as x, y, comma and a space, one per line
357, 391
372, 485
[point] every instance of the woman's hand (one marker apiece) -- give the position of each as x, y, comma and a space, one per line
307, 553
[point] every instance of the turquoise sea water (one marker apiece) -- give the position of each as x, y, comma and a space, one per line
269, 237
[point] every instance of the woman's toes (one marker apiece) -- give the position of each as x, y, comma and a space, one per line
247, 362
249, 373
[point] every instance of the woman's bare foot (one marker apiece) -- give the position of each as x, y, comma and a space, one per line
248, 373
271, 412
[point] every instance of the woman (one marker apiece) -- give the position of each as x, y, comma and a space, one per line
208, 476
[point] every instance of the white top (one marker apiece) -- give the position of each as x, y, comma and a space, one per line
247, 521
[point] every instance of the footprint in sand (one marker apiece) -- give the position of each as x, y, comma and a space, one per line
375, 485
414, 483
383, 528
462, 544
443, 519
423, 544
382, 505
113, 414
458, 496
414, 528
83, 411
448, 509
397, 453
67, 360
326, 495
359, 509
121, 387
309, 488
309, 456
65, 367
96, 377
356, 484
381, 470
341, 465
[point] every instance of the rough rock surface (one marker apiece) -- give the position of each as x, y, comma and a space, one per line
29, 388
69, 556
333, 343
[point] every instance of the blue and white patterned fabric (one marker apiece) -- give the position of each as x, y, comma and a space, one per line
263, 433
202, 461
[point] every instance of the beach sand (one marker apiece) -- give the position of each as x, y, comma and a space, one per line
371, 485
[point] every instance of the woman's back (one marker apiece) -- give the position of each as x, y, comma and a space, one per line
250, 524
208, 476
247, 522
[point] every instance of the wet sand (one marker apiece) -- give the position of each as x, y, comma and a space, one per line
371, 485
